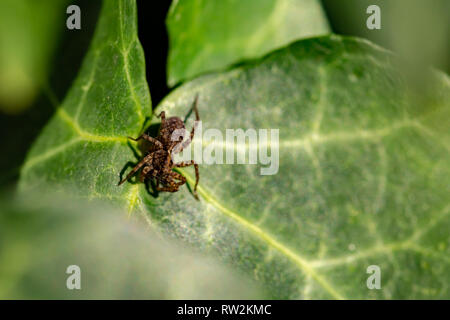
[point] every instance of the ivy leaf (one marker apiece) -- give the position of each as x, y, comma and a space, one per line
363, 174
208, 36
85, 144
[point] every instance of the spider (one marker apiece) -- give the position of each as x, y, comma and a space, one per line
158, 163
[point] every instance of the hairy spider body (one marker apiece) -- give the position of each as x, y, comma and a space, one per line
165, 132
157, 164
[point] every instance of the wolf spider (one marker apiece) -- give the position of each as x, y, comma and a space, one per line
158, 163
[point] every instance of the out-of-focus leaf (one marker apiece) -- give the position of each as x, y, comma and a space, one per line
28, 35
210, 35
40, 237
414, 29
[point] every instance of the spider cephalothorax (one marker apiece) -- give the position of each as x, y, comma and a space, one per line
157, 164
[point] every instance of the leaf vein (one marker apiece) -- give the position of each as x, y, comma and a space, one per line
300, 261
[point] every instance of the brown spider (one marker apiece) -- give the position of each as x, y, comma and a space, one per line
157, 163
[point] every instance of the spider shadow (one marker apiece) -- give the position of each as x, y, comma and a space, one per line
129, 164
187, 184
150, 187
143, 147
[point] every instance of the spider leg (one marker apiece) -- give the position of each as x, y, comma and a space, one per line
167, 189
197, 178
184, 164
188, 141
197, 175
149, 139
162, 115
145, 160
178, 176
144, 173
172, 187
169, 156
197, 118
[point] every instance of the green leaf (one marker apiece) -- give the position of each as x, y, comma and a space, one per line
207, 36
118, 258
85, 145
363, 174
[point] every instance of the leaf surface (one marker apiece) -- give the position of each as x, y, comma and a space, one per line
363, 174
207, 36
